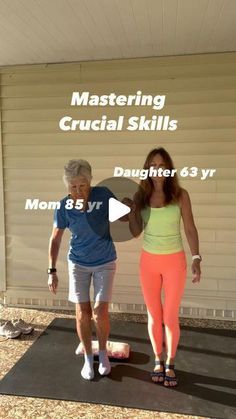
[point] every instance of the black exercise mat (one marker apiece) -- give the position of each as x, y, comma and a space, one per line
205, 365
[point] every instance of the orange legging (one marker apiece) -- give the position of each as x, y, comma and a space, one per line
169, 271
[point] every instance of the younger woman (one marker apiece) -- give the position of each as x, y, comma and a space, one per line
159, 205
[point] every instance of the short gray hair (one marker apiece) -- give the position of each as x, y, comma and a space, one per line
76, 168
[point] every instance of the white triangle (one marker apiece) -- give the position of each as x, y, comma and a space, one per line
116, 209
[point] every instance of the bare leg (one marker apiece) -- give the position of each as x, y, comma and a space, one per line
84, 325
84, 330
102, 324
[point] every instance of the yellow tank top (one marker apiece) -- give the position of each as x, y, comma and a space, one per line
162, 229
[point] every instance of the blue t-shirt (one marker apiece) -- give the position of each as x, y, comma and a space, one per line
91, 243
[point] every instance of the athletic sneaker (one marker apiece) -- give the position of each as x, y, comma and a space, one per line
8, 330
24, 327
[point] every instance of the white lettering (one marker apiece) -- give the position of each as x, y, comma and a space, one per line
118, 171
91, 206
62, 123
43, 205
36, 204
78, 99
98, 205
31, 205
206, 172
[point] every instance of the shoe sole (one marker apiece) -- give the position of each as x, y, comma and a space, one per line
11, 337
27, 333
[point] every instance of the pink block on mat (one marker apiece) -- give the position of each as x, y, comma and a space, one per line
114, 349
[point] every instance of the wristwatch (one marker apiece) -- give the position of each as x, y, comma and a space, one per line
51, 270
197, 257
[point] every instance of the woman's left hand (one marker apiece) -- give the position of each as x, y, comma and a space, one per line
196, 270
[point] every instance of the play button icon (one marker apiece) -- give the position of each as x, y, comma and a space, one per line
112, 209
117, 210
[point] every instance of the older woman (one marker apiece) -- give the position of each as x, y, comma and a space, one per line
158, 206
91, 254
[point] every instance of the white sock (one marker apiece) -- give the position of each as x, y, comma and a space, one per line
104, 363
87, 371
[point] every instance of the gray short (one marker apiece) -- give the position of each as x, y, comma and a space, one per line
80, 280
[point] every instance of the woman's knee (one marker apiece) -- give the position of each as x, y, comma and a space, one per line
83, 311
171, 319
100, 312
155, 316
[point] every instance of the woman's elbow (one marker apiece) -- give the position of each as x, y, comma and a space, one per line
191, 231
55, 241
136, 233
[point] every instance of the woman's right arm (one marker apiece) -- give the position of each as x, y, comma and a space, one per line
53, 251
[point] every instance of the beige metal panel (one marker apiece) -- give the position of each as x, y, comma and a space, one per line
226, 186
194, 97
211, 161
220, 273
53, 177
151, 67
45, 216
165, 86
221, 260
33, 218
23, 230
17, 199
227, 58
207, 283
226, 198
2, 216
120, 71
29, 278
219, 211
165, 138
177, 71
181, 149
227, 247
37, 77
187, 60
210, 248
152, 139
36, 258
228, 284
29, 267
35, 152
54, 67
216, 223
186, 123
54, 190
86, 112
226, 236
